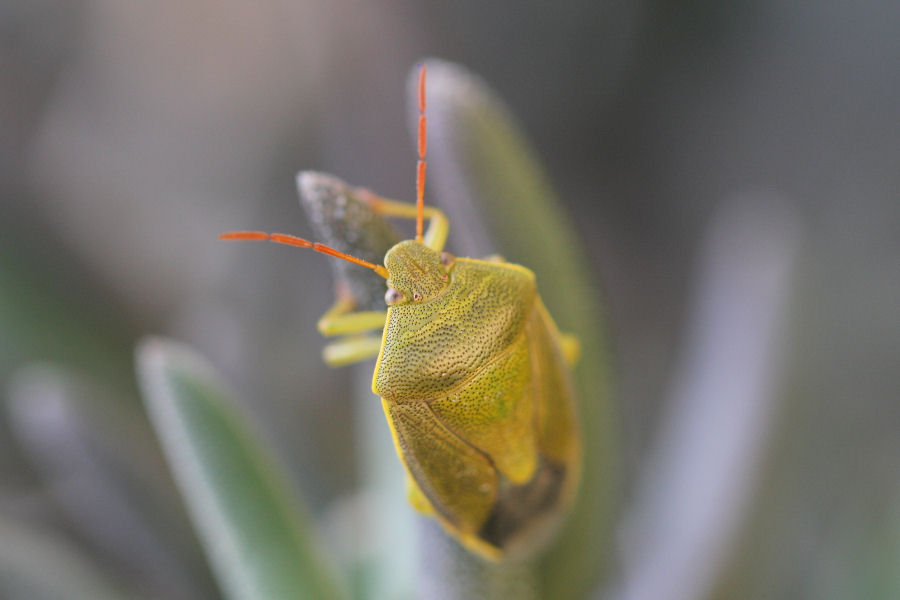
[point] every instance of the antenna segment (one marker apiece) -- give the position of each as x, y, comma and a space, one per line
420, 165
292, 240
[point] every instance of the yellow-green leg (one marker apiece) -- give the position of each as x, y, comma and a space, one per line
435, 235
351, 350
342, 320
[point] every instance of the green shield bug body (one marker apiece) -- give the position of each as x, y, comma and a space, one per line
474, 378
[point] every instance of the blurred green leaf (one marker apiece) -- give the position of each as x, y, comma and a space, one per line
49, 312
35, 565
485, 176
253, 528
45, 316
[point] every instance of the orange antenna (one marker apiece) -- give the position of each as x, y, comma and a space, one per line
292, 240
420, 165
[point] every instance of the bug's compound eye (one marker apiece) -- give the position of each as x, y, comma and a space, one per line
447, 258
392, 297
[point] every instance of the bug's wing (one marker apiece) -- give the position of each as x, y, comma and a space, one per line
457, 479
558, 434
495, 412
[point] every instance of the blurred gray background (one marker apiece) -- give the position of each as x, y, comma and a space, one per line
131, 134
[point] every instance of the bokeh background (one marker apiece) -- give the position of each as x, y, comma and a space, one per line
131, 134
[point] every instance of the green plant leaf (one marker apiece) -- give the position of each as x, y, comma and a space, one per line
253, 529
42, 318
485, 176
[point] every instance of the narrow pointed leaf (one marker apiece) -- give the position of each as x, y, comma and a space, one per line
484, 174
254, 531
342, 220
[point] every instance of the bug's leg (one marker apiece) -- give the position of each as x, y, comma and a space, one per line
438, 226
341, 319
350, 350
571, 348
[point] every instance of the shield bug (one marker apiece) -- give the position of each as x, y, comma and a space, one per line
473, 375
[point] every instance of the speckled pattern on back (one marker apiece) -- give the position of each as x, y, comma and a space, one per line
478, 397
431, 347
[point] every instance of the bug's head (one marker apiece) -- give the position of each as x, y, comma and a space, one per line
416, 272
